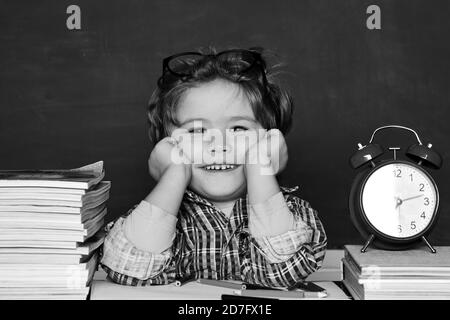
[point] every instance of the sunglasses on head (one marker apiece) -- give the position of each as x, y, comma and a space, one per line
235, 62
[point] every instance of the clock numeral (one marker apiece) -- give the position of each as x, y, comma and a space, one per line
413, 225
411, 175
422, 186
398, 173
426, 201
399, 228
423, 215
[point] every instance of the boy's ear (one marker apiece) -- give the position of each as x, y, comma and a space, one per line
274, 132
262, 133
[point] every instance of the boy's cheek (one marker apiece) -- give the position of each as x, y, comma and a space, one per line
195, 148
240, 145
199, 148
191, 146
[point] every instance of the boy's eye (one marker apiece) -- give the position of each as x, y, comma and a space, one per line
238, 128
197, 130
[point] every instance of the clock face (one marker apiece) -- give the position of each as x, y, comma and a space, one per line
399, 200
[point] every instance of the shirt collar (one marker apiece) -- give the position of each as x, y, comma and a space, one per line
288, 189
192, 196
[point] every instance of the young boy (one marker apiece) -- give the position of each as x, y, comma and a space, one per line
217, 210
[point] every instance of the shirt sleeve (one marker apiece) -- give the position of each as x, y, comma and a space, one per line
271, 217
150, 228
283, 260
127, 264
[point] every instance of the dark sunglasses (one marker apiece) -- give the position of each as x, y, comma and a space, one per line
237, 62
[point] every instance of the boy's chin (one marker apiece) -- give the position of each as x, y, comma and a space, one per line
219, 185
219, 192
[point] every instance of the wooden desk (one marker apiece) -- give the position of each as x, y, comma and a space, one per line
107, 290
103, 289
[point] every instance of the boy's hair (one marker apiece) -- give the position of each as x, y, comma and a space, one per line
271, 104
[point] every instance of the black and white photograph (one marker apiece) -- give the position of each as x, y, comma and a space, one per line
225, 158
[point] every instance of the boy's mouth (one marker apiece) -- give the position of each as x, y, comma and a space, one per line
220, 167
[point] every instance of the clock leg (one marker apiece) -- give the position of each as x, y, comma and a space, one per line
433, 250
368, 242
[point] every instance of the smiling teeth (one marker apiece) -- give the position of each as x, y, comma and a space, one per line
220, 167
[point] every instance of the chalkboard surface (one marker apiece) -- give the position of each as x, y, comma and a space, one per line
72, 97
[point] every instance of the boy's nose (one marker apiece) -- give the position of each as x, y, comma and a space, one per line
216, 148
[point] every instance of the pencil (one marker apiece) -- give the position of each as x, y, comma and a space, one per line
294, 294
310, 289
251, 286
220, 283
180, 281
264, 293
236, 297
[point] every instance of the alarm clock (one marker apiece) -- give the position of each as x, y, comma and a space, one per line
394, 203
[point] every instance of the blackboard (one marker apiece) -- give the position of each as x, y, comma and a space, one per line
72, 97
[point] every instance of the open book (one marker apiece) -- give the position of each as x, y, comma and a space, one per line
92, 198
77, 275
80, 178
76, 249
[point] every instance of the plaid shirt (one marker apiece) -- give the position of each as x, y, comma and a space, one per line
208, 244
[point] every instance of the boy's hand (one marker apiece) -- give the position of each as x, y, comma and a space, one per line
166, 154
270, 152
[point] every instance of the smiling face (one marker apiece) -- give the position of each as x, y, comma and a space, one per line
217, 106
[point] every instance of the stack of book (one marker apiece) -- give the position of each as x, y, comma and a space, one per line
387, 275
51, 227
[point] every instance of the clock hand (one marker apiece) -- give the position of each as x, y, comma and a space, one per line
399, 202
399, 216
410, 198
